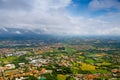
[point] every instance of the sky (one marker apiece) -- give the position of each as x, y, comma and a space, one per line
71, 17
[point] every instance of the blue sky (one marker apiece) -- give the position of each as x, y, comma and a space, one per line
72, 17
87, 7
79, 7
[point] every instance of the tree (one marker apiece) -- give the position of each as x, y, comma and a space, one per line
50, 76
32, 78
70, 78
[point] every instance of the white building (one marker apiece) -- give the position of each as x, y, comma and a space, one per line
10, 66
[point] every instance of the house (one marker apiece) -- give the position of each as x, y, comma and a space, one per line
10, 66
1, 69
49, 71
91, 76
21, 64
21, 78
20, 53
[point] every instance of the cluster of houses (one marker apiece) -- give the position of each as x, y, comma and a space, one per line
24, 70
5, 52
10, 71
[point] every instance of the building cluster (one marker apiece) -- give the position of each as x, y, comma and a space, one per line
56, 57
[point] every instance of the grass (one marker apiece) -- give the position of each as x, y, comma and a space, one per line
61, 77
8, 59
81, 57
70, 50
89, 61
87, 67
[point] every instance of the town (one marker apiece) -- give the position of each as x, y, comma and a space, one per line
89, 60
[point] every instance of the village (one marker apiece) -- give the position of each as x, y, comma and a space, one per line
56, 61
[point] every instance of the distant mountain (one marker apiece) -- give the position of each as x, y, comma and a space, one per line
16, 33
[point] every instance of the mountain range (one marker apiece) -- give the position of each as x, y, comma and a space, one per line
17, 33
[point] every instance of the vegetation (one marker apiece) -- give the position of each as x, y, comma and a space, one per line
61, 77
71, 59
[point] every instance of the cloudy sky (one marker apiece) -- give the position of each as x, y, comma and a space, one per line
79, 17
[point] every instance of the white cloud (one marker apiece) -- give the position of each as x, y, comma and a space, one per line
16, 4
5, 29
18, 32
50, 16
104, 4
